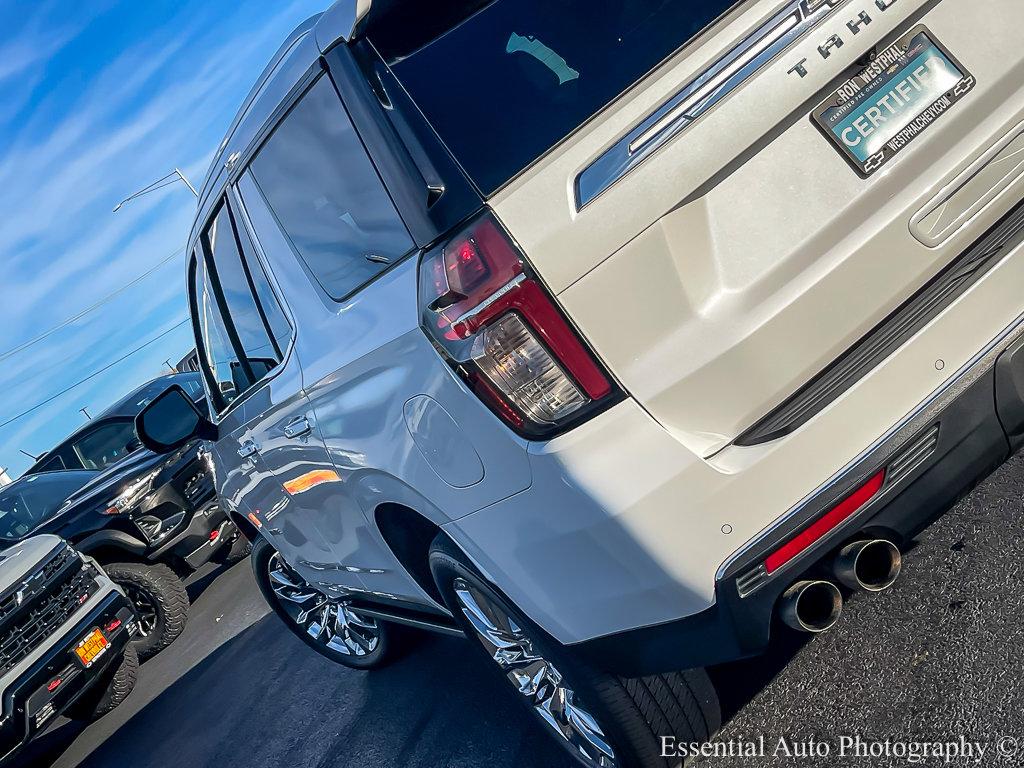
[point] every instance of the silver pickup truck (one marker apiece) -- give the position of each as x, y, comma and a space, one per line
64, 639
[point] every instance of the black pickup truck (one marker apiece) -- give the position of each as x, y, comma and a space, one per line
149, 519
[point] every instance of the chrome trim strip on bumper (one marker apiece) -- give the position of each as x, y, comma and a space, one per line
781, 31
892, 442
900, 467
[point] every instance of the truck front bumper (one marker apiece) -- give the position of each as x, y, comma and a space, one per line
54, 681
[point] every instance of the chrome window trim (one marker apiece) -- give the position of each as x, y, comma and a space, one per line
795, 19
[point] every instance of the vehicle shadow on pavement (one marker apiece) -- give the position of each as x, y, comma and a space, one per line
47, 749
263, 700
739, 682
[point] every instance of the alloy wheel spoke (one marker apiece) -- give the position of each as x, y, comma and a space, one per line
355, 619
364, 643
145, 610
326, 621
507, 645
534, 676
584, 724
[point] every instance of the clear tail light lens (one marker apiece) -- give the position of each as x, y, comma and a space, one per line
495, 323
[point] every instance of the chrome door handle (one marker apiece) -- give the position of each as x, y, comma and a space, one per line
297, 428
247, 448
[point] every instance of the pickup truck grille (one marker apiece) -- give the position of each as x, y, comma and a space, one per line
50, 597
199, 489
9, 602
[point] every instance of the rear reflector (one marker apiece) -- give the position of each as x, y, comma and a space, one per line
826, 523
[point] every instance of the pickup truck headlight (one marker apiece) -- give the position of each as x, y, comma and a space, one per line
132, 494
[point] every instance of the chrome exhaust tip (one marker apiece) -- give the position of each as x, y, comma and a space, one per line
871, 566
811, 606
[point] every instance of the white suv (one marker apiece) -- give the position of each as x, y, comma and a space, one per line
608, 333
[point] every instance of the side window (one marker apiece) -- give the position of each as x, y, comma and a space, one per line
218, 352
242, 329
266, 302
54, 464
101, 447
315, 175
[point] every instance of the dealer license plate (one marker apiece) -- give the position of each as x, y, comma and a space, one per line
905, 89
92, 647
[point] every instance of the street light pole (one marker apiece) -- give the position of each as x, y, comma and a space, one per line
170, 178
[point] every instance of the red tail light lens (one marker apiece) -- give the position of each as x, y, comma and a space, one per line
497, 326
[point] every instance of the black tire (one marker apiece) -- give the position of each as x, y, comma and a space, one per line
237, 551
633, 713
154, 589
387, 646
108, 692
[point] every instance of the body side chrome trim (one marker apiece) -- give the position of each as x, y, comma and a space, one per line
898, 437
795, 19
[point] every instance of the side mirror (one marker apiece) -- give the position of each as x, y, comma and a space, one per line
172, 420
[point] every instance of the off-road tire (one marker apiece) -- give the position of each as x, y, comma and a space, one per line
165, 589
108, 692
391, 640
239, 549
634, 713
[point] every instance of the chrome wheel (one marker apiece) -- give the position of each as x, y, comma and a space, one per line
145, 608
534, 677
325, 620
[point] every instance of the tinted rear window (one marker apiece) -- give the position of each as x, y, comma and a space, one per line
519, 76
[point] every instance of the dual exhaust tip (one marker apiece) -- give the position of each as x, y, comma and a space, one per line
815, 605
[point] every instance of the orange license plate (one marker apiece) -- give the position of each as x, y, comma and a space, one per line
92, 647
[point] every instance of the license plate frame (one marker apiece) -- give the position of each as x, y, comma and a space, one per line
890, 78
92, 647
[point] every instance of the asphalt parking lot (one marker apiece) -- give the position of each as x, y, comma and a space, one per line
936, 658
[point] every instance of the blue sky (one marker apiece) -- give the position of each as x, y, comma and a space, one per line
99, 99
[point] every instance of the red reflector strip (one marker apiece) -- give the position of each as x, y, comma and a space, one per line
484, 390
826, 523
112, 625
54, 684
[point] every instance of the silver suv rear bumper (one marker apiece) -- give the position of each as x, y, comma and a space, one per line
956, 437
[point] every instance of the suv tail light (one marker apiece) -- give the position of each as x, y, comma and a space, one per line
494, 322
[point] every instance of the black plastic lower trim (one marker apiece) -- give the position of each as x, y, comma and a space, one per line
891, 334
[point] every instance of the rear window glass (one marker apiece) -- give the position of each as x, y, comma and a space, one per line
517, 77
106, 444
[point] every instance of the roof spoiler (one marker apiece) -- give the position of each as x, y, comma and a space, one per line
343, 22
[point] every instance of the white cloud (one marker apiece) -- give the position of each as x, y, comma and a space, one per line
94, 134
